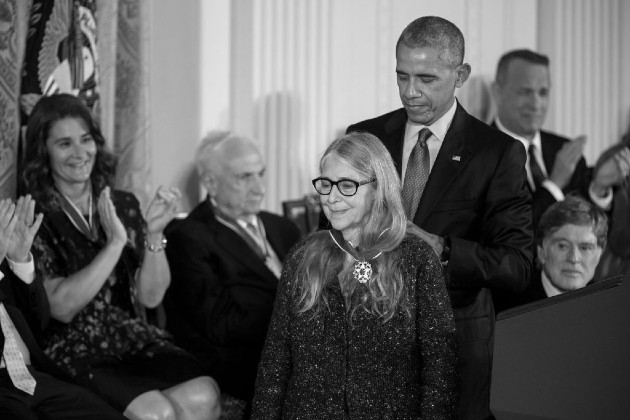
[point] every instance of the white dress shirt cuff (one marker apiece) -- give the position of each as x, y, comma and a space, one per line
605, 202
24, 270
553, 189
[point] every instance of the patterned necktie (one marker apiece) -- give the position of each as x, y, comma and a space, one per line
537, 174
259, 240
418, 168
271, 261
13, 359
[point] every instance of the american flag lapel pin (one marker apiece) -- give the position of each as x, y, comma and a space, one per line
457, 158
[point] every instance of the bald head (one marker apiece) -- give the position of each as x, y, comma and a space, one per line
231, 168
221, 147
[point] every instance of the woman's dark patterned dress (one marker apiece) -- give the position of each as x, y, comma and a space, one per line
112, 326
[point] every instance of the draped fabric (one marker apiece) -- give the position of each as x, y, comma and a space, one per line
14, 17
96, 49
124, 52
61, 54
590, 90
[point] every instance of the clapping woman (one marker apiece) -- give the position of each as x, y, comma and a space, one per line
102, 263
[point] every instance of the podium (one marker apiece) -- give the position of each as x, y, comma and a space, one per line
565, 357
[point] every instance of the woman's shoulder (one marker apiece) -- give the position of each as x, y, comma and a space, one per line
307, 244
310, 245
413, 246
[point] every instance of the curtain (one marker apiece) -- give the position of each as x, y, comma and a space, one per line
14, 18
95, 49
588, 43
124, 65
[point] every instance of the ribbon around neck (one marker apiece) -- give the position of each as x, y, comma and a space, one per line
362, 270
347, 247
89, 228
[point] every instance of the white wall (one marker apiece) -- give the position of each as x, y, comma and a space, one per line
301, 71
175, 94
296, 73
588, 42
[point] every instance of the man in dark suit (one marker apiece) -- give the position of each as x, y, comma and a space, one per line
225, 259
555, 165
475, 208
24, 304
571, 237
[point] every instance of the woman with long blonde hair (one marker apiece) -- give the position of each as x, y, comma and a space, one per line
362, 326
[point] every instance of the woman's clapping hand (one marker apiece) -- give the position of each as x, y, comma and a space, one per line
114, 229
162, 209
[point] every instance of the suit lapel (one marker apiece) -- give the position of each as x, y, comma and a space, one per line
394, 138
274, 236
549, 151
454, 155
231, 243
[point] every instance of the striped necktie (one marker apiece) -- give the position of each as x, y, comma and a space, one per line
417, 174
13, 359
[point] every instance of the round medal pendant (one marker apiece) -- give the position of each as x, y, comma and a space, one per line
362, 271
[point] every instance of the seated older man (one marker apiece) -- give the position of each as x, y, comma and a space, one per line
225, 259
571, 237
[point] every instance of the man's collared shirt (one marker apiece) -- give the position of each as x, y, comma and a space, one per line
25, 271
434, 143
272, 261
550, 289
553, 189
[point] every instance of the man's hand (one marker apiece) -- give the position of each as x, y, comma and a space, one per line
612, 172
566, 161
27, 225
7, 225
436, 242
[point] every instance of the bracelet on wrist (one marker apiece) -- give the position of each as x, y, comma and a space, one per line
155, 247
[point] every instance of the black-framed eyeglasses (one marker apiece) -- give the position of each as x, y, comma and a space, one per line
347, 187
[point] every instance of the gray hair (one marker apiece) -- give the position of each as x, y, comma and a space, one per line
209, 150
366, 154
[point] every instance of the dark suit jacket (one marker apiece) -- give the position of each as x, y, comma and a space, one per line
536, 291
28, 307
542, 199
55, 395
477, 194
578, 184
221, 296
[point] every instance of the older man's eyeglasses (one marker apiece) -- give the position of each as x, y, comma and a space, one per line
347, 187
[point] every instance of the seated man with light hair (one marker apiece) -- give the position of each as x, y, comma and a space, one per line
225, 259
571, 237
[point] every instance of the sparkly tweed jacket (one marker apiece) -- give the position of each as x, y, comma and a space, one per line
323, 368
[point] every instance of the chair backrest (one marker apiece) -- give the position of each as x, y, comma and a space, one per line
313, 210
295, 210
304, 212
